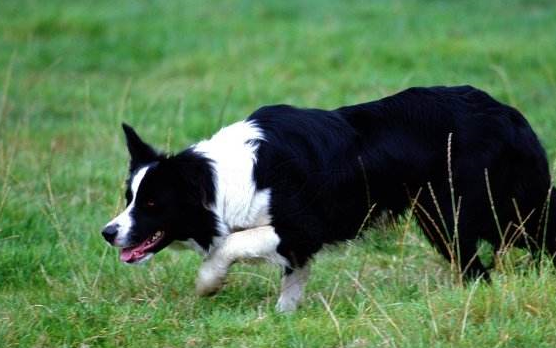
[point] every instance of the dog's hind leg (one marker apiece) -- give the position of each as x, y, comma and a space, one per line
470, 263
255, 243
457, 243
293, 285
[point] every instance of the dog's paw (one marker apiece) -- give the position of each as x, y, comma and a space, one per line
209, 282
203, 289
286, 304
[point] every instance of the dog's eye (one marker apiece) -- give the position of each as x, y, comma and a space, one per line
150, 203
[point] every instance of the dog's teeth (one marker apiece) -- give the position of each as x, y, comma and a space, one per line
154, 237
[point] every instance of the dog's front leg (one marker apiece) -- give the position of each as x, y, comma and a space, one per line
256, 243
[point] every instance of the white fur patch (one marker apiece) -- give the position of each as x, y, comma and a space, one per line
238, 204
124, 221
255, 243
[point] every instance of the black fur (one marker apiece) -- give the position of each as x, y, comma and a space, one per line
326, 169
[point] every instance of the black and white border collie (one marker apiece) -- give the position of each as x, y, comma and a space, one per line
286, 181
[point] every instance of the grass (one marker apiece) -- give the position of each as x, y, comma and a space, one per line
71, 71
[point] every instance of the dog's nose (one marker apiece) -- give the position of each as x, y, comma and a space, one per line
109, 233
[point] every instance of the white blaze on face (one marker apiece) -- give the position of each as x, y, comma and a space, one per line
124, 221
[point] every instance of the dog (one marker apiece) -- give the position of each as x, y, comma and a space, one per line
286, 181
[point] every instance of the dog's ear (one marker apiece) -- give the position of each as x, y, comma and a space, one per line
140, 152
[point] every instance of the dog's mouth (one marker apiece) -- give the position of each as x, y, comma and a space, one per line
142, 251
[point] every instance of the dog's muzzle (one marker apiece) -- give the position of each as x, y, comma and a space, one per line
109, 233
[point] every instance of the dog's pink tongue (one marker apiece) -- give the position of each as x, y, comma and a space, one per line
131, 254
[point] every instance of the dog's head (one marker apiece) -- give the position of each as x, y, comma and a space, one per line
168, 199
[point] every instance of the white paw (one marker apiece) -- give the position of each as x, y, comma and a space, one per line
287, 304
208, 281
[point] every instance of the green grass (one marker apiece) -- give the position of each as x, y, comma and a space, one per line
71, 71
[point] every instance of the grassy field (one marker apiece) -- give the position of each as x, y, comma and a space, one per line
72, 71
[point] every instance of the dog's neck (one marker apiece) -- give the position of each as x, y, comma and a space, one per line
238, 202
